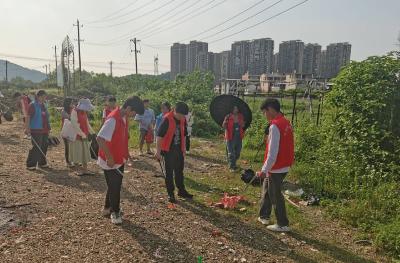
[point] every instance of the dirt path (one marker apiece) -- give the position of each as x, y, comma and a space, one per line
54, 216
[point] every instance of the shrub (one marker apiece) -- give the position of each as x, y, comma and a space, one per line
388, 238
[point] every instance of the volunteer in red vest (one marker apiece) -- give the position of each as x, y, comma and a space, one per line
234, 133
113, 142
171, 145
79, 150
279, 157
111, 104
22, 103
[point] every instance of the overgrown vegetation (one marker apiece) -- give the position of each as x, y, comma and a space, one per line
353, 158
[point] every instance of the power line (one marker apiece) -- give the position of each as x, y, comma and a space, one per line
138, 17
243, 20
112, 14
261, 22
162, 18
229, 19
226, 21
114, 41
240, 31
191, 16
127, 13
25, 57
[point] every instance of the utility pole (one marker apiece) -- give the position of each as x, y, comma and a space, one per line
156, 65
135, 41
55, 57
6, 71
111, 68
79, 48
47, 81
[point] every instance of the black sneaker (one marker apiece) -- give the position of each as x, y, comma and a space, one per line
172, 199
186, 195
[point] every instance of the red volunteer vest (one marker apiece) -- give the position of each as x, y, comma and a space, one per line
25, 101
119, 142
107, 111
229, 127
83, 122
167, 139
285, 156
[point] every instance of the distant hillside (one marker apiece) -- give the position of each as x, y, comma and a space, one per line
15, 70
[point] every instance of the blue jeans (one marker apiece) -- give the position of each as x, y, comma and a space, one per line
234, 147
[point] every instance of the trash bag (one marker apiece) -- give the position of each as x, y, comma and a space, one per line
8, 115
313, 200
248, 175
229, 202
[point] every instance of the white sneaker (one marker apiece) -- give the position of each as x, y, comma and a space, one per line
277, 228
116, 218
263, 221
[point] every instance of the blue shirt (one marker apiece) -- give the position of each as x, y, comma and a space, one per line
146, 119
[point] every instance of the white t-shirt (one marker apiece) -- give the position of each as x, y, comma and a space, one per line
106, 132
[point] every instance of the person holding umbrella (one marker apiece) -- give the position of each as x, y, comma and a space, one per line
234, 133
279, 157
37, 125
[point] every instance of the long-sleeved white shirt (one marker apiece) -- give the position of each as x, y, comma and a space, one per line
75, 124
273, 150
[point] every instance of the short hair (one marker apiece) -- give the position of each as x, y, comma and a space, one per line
41, 93
166, 104
182, 108
271, 103
146, 100
111, 99
135, 103
16, 95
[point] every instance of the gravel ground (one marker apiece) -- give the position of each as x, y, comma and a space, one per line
54, 216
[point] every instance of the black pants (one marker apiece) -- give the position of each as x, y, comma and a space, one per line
114, 182
174, 164
272, 195
187, 143
35, 155
66, 151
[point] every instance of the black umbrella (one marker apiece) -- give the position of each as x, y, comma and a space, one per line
222, 106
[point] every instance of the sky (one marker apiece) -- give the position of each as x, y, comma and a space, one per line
32, 28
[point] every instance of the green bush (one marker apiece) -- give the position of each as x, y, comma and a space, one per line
388, 238
372, 208
352, 159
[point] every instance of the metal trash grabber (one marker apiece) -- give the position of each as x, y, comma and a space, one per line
162, 168
150, 204
248, 184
